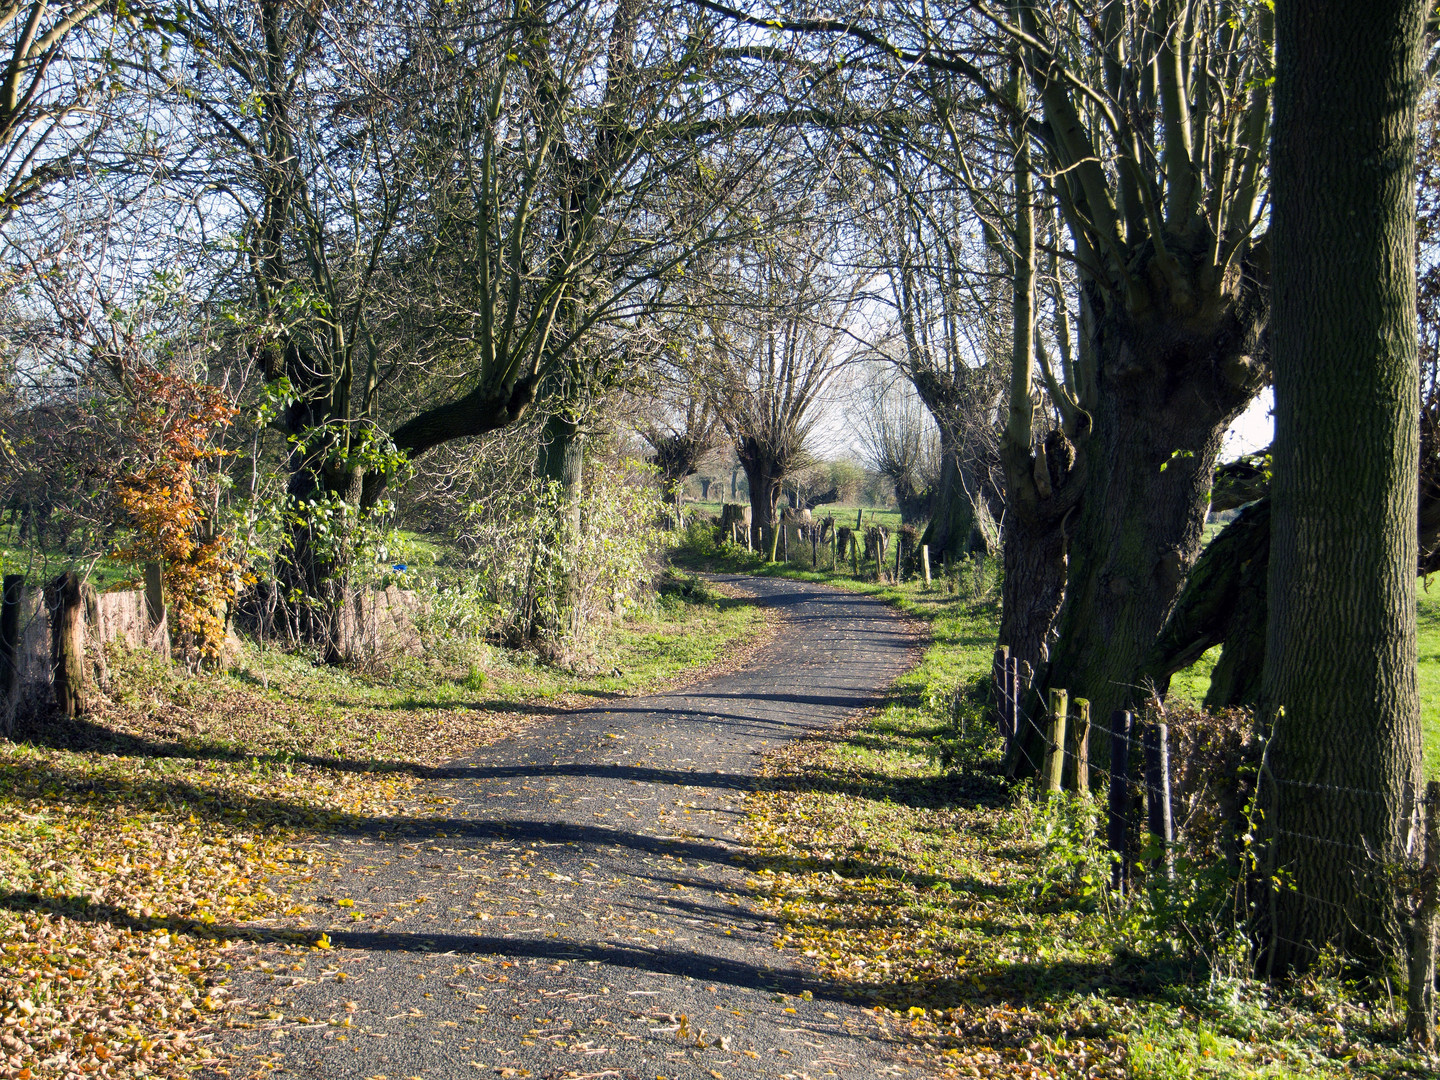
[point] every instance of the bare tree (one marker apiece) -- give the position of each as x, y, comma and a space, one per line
900, 441
58, 71
445, 212
1151, 123
775, 355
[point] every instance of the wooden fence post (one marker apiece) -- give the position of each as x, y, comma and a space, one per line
785, 538
67, 641
10, 631
925, 563
899, 545
1155, 737
154, 594
1055, 744
1082, 745
1117, 832
1420, 999
1020, 723
1000, 674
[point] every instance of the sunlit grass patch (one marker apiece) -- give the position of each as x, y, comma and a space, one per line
144, 847
977, 922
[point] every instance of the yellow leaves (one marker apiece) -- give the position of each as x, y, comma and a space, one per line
323, 942
345, 903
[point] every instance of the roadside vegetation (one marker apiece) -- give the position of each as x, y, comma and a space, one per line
899, 863
144, 847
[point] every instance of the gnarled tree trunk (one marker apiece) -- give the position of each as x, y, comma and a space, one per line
1169, 384
765, 476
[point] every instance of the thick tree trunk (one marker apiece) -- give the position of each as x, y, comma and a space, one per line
1034, 547
952, 528
315, 578
1223, 602
1339, 682
561, 462
65, 601
1167, 389
764, 476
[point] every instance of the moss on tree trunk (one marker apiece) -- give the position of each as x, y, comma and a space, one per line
1341, 640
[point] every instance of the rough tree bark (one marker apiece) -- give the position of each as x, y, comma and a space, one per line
1170, 380
65, 600
765, 476
561, 461
1042, 485
1223, 602
951, 532
1340, 648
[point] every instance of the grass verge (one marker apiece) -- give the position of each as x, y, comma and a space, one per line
144, 849
976, 922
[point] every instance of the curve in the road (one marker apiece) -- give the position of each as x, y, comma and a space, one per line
580, 888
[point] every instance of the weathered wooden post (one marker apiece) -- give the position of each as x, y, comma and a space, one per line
66, 606
1420, 1000
1119, 802
814, 547
1155, 738
925, 563
1014, 679
785, 538
1082, 745
1000, 674
154, 594
10, 631
1055, 743
899, 547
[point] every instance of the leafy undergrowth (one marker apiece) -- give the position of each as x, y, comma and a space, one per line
978, 922
144, 849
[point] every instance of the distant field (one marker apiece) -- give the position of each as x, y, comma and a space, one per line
844, 515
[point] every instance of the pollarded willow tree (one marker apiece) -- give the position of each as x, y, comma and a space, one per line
941, 284
900, 442
773, 355
1149, 124
438, 209
679, 420
1152, 122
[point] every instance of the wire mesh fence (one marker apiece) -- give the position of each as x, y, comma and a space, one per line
1048, 738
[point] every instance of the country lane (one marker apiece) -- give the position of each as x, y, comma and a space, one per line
578, 890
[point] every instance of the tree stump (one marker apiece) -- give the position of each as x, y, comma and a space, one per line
65, 602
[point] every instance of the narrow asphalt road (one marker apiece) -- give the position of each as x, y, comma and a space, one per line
579, 890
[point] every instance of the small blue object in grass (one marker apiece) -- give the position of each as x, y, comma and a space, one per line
400, 566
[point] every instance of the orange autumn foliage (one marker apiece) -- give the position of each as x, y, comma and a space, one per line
174, 422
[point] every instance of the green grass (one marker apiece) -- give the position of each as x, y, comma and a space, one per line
687, 627
972, 920
1428, 676
1191, 684
42, 564
844, 515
